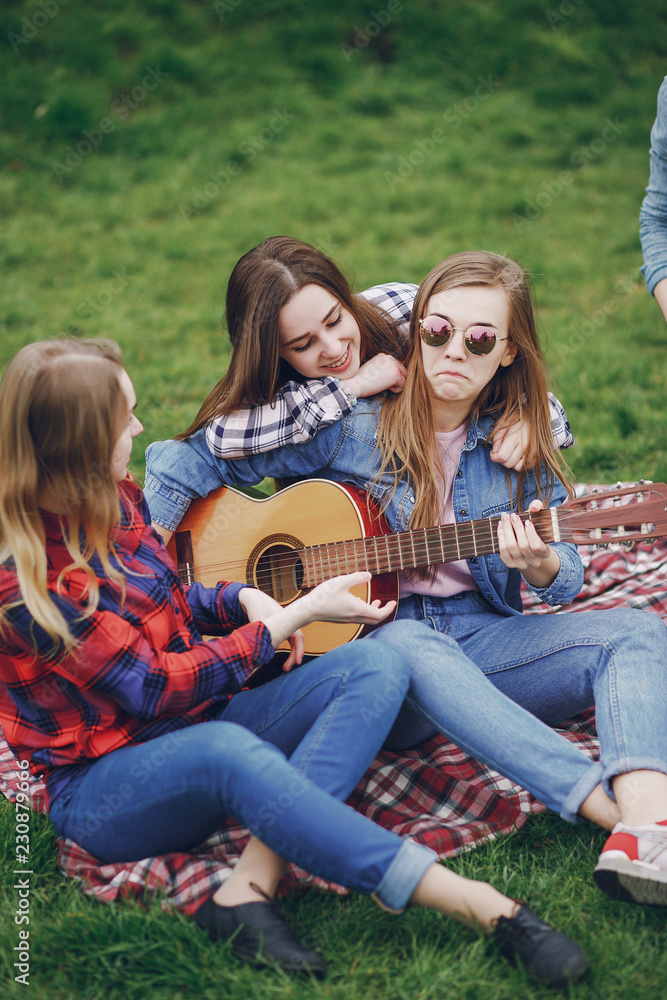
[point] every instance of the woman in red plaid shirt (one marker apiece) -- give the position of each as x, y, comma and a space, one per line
103, 672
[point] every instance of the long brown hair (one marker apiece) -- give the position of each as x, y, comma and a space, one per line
62, 410
516, 392
262, 282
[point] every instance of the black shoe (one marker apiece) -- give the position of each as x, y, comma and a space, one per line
551, 956
259, 933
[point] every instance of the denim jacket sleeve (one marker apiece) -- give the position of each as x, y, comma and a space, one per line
483, 491
178, 472
569, 579
653, 214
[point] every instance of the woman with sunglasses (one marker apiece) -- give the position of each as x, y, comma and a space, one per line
422, 456
282, 390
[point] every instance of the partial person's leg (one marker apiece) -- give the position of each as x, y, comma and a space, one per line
203, 775
206, 774
449, 694
558, 665
331, 715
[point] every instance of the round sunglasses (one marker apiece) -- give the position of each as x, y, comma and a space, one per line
479, 340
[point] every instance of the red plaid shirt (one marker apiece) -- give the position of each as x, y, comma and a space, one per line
141, 668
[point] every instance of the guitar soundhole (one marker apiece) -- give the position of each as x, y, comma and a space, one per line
278, 571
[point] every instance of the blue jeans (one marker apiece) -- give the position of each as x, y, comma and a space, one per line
171, 793
555, 666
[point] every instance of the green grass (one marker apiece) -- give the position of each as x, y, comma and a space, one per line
82, 948
452, 126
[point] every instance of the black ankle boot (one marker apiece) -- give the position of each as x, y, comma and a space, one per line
259, 933
551, 956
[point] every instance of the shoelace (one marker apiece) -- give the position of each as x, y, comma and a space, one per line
656, 837
513, 930
272, 902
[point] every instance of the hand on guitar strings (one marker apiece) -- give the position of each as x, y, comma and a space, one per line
330, 601
520, 547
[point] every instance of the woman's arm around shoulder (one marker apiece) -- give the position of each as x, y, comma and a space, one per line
178, 472
298, 412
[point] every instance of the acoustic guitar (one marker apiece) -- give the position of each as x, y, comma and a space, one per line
313, 530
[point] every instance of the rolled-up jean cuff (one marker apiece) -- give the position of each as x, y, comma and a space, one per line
581, 791
625, 764
166, 506
403, 876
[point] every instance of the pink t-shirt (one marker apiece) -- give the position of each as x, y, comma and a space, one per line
452, 577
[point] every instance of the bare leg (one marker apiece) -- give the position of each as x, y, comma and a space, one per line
641, 796
599, 808
476, 904
258, 866
552, 957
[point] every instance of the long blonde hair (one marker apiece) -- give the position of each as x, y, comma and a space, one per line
516, 392
62, 410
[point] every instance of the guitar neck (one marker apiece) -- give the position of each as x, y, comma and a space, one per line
417, 547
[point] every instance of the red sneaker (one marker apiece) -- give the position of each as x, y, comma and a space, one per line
633, 864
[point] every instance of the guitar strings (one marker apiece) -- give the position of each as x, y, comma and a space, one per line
410, 545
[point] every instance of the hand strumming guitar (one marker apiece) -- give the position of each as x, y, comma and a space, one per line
330, 601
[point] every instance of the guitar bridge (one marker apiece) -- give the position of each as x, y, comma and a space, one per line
185, 561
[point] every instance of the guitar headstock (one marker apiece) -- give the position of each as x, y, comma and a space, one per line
626, 514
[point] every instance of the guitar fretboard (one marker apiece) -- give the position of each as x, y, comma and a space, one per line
413, 548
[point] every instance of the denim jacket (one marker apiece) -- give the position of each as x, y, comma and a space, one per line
179, 471
653, 214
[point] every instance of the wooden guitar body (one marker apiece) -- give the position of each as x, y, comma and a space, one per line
317, 529
231, 536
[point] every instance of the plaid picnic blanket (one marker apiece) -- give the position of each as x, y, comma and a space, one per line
435, 794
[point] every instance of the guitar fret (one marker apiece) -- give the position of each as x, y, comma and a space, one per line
345, 568
400, 551
383, 560
389, 557
493, 534
377, 557
427, 547
440, 544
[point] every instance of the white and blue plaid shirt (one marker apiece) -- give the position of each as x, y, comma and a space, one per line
301, 409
